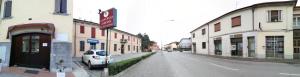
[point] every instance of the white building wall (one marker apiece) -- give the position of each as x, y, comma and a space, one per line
283, 28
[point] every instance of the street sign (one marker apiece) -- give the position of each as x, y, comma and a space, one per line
93, 41
108, 19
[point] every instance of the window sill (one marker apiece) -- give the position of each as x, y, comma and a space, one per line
274, 21
63, 14
235, 26
6, 18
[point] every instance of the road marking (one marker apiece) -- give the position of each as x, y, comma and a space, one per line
289, 74
228, 68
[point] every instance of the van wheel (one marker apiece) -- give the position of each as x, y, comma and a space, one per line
90, 65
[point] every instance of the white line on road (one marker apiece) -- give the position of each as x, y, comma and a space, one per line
228, 68
289, 74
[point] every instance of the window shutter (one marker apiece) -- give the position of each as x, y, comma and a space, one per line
57, 6
93, 32
63, 6
8, 7
269, 16
279, 15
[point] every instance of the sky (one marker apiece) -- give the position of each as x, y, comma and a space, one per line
164, 21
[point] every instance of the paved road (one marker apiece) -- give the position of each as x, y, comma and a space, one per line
177, 64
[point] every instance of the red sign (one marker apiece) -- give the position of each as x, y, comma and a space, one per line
108, 19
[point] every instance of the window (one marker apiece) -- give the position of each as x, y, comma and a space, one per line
0, 6
88, 53
275, 46
236, 21
274, 15
7, 9
133, 48
103, 32
203, 31
93, 32
122, 36
116, 35
102, 46
60, 6
296, 21
217, 27
25, 43
128, 38
81, 29
128, 47
193, 35
81, 46
203, 45
115, 47
93, 46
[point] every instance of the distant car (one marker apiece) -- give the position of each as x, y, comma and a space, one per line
95, 58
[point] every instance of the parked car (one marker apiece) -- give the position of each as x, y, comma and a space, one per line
95, 58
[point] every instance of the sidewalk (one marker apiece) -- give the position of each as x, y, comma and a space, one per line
117, 58
26, 72
274, 60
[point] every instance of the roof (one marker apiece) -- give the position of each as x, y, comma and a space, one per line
291, 2
96, 24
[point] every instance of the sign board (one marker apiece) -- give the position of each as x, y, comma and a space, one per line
60, 74
233, 47
93, 41
45, 44
108, 19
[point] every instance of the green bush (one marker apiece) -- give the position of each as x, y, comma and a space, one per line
118, 67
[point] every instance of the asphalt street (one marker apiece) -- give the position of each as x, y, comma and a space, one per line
178, 64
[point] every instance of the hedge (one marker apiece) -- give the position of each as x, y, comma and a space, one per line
118, 67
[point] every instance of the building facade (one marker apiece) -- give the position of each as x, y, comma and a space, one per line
173, 46
264, 30
89, 36
36, 33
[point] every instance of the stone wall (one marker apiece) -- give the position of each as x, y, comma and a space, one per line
61, 51
5, 49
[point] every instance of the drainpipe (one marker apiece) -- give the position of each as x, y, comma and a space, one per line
253, 8
208, 39
75, 39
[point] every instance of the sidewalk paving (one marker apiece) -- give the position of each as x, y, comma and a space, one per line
20, 72
274, 60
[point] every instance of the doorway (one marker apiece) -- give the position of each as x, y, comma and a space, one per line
251, 47
236, 47
122, 49
218, 47
194, 47
31, 50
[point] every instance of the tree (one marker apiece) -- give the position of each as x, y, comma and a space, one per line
145, 40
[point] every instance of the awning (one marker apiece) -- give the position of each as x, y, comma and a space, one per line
48, 26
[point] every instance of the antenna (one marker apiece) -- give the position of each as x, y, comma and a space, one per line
236, 4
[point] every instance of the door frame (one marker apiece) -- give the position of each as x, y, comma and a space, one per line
47, 56
248, 46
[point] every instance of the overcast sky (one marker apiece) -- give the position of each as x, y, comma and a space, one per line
163, 20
